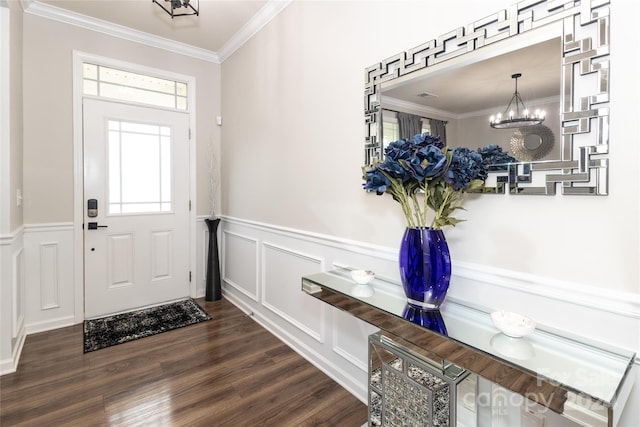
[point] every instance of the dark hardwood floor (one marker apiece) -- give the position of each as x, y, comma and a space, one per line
228, 371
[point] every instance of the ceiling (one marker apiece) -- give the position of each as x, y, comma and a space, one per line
217, 23
222, 23
485, 84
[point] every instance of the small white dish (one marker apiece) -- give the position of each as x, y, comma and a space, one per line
513, 324
362, 277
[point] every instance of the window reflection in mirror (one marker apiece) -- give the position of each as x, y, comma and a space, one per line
391, 127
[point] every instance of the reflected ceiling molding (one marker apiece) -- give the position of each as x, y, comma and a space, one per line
417, 108
488, 111
406, 105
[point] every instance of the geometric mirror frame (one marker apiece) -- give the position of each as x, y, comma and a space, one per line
582, 168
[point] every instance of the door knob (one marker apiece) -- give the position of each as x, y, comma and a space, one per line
95, 226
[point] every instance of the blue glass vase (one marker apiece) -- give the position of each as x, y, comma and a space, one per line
430, 319
425, 267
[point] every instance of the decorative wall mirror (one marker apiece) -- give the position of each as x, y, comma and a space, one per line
561, 50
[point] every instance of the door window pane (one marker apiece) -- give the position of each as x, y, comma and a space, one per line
139, 168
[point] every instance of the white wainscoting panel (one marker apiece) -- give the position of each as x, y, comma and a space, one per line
304, 323
241, 270
282, 270
12, 300
288, 254
49, 276
49, 281
18, 291
349, 338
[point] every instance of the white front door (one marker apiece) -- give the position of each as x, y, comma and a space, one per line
136, 220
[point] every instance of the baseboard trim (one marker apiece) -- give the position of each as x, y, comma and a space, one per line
302, 349
47, 325
10, 366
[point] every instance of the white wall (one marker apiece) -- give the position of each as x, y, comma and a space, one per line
292, 150
293, 107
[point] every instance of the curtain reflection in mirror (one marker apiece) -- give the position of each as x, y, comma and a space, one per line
400, 125
438, 128
391, 126
409, 125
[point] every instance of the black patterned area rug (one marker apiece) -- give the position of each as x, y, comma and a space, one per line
124, 327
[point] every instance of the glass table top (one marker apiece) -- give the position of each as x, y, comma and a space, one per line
574, 362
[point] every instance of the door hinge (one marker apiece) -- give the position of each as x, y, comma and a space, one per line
189, 205
189, 134
189, 277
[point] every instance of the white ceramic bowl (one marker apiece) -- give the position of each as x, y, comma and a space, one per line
362, 277
513, 324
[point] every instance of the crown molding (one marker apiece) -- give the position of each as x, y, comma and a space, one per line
407, 105
269, 11
489, 111
115, 30
259, 20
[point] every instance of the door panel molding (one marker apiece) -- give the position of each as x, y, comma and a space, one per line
120, 260
161, 251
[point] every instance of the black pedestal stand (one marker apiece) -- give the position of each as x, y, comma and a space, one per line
213, 289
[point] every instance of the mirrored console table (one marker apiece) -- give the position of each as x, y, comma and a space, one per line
584, 382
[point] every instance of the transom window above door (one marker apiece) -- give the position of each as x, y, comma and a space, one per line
123, 85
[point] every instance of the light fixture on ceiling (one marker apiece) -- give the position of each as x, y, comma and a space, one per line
520, 117
176, 5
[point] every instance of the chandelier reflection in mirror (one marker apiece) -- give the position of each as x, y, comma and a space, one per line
175, 6
582, 165
520, 117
